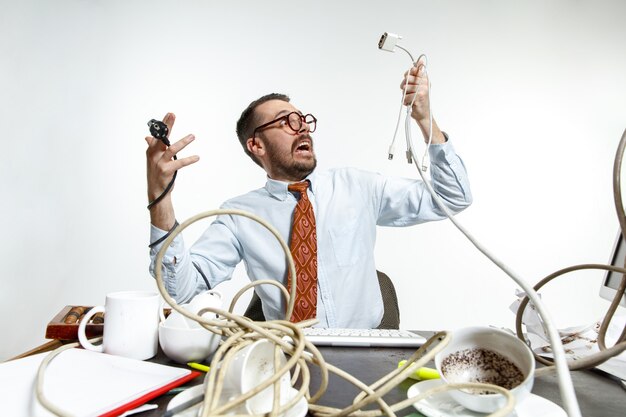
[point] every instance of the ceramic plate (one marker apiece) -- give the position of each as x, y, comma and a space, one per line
298, 410
442, 405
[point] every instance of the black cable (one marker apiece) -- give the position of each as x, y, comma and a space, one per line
162, 238
159, 131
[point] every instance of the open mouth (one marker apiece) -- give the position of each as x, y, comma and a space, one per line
304, 147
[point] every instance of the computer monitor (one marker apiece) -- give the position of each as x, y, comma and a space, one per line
611, 280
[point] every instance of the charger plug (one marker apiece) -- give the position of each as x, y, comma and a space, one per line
388, 41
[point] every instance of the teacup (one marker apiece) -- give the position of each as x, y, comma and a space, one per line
509, 361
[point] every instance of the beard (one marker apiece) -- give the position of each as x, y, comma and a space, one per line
285, 166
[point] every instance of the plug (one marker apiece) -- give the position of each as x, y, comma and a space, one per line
388, 41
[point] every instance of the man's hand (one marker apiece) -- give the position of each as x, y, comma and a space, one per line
417, 92
160, 169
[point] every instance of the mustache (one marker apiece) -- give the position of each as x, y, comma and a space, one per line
304, 136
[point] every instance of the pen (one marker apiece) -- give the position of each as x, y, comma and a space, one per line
422, 373
176, 390
198, 366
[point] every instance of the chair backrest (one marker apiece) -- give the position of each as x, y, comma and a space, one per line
391, 315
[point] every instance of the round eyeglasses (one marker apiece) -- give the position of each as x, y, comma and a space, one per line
294, 120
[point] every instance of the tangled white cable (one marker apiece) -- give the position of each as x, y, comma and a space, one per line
238, 332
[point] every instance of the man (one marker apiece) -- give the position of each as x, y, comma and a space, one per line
348, 204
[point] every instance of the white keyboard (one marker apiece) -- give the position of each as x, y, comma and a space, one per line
363, 337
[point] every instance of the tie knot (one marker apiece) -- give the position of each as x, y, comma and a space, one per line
299, 187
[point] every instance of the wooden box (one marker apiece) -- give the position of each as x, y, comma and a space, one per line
58, 328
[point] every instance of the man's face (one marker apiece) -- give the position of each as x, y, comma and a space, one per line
286, 155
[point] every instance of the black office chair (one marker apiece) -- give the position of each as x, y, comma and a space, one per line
391, 315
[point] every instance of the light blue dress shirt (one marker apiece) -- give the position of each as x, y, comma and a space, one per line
348, 204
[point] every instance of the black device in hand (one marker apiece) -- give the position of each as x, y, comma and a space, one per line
159, 131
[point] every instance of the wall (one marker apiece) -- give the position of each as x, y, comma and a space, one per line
532, 93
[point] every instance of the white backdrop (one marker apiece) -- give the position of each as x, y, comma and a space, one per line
533, 95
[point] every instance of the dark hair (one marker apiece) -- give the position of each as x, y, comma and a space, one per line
248, 120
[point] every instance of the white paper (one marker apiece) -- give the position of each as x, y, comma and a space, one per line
82, 382
578, 342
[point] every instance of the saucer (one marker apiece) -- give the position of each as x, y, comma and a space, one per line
442, 404
298, 410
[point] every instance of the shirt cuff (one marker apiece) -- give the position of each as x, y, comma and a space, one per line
175, 246
442, 152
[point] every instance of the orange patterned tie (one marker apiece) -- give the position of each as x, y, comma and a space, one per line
304, 251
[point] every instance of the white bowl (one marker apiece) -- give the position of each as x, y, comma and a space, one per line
176, 319
498, 341
187, 345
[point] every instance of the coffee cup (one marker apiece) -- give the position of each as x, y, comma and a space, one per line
488, 355
250, 367
130, 325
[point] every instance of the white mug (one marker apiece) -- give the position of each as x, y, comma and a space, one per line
130, 325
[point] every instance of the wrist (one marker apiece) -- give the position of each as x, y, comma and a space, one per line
423, 121
162, 214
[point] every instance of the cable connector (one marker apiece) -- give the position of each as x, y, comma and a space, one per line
388, 41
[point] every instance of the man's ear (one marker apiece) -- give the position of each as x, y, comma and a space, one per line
255, 146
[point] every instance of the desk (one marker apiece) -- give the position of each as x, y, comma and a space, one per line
598, 395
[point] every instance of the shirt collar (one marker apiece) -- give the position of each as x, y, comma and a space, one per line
278, 189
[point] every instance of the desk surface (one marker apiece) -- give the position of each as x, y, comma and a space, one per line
598, 395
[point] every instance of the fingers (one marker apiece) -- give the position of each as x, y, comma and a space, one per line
162, 156
178, 146
157, 150
161, 164
421, 62
415, 76
415, 83
183, 162
169, 120
168, 152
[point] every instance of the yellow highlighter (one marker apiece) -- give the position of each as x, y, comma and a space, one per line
198, 366
422, 373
